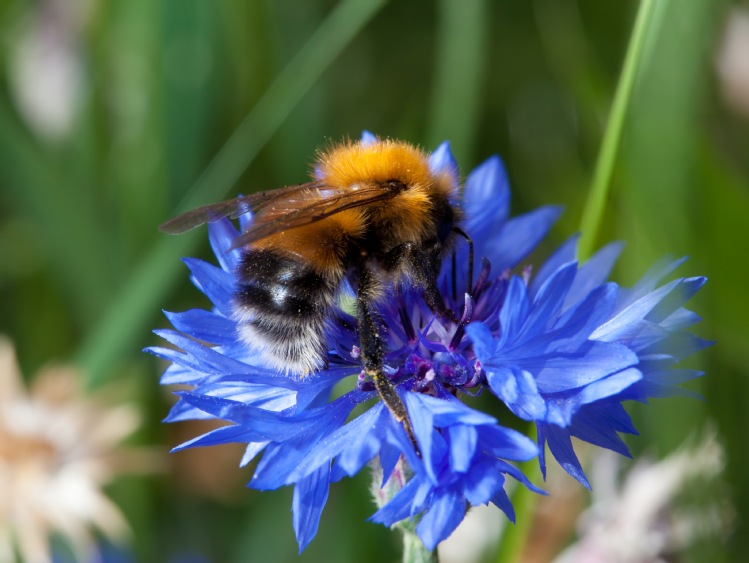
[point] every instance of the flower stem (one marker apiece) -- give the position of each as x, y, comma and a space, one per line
413, 548
596, 202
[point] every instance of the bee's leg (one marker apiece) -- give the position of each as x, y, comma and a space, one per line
423, 266
372, 355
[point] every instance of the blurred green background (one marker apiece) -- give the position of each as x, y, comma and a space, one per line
114, 116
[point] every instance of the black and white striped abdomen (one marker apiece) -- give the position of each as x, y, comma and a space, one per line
281, 306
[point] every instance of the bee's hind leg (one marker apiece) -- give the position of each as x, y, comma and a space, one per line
372, 355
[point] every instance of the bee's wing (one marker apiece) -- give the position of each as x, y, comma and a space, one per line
233, 208
289, 213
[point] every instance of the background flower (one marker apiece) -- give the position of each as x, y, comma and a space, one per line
654, 510
58, 449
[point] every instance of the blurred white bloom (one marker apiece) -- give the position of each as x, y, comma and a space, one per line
733, 60
475, 537
45, 67
57, 449
643, 521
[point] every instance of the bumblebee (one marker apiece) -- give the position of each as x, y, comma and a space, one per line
374, 214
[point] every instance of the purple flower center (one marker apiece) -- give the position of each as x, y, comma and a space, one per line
433, 355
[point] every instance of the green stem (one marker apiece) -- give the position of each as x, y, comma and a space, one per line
413, 548
524, 500
593, 213
132, 307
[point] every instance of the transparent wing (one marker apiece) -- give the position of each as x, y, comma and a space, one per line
233, 208
289, 218
285, 208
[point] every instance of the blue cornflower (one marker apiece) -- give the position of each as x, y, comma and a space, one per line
566, 348
562, 348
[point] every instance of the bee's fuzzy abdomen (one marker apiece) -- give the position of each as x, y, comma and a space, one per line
281, 305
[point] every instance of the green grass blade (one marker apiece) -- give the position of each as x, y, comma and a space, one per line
132, 307
514, 538
340, 27
460, 66
662, 209
634, 61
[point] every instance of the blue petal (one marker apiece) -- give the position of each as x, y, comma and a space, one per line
268, 397
463, 440
423, 427
649, 281
280, 463
260, 424
575, 326
183, 370
566, 253
594, 272
217, 284
310, 496
507, 469
484, 344
442, 161
389, 456
447, 510
482, 483
223, 435
592, 362
400, 506
182, 410
503, 502
610, 386
252, 450
680, 320
359, 437
203, 325
517, 389
519, 237
245, 220
673, 376
486, 198
174, 374
596, 425
208, 360
622, 324
221, 234
446, 412
368, 138
560, 446
676, 298
514, 312
506, 443
548, 302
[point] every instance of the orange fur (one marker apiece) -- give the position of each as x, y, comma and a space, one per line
321, 244
350, 164
353, 163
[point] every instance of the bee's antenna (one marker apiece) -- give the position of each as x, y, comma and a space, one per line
462, 233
